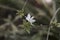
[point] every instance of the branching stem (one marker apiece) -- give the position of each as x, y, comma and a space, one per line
51, 22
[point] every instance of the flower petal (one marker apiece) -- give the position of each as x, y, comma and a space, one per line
30, 19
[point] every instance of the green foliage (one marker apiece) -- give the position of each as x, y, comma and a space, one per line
27, 26
20, 13
25, 31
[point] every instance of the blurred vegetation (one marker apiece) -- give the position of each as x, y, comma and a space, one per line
14, 26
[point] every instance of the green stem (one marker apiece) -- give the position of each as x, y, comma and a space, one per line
24, 5
51, 22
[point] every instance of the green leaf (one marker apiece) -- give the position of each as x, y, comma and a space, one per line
27, 26
58, 25
21, 13
54, 21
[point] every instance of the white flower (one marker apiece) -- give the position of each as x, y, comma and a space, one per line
30, 19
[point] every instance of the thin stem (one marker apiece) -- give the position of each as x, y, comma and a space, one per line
54, 15
51, 22
54, 9
24, 5
48, 32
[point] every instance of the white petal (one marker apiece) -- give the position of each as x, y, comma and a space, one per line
32, 17
27, 18
28, 15
33, 21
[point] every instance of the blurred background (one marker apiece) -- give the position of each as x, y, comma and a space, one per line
14, 26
